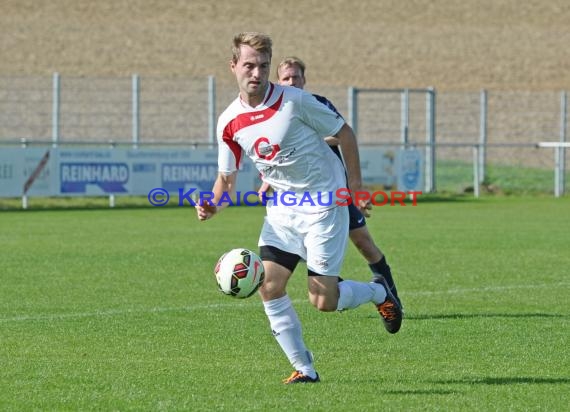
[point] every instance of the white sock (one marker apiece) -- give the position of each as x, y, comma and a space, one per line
286, 328
353, 294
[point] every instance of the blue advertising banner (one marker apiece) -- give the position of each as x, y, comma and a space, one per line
109, 177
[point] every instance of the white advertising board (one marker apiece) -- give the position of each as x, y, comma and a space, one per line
96, 172
118, 171
17, 165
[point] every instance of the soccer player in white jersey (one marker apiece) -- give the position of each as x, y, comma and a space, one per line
281, 129
291, 72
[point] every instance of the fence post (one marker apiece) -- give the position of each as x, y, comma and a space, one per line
55, 110
353, 109
405, 117
557, 174
112, 145
212, 110
561, 155
482, 136
476, 171
136, 112
430, 142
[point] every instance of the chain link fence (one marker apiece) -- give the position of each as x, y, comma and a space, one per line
492, 134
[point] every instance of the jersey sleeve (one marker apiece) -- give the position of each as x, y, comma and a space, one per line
324, 120
229, 151
327, 103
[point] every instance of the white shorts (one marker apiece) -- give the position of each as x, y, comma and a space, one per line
319, 238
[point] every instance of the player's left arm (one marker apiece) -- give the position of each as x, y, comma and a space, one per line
349, 147
332, 141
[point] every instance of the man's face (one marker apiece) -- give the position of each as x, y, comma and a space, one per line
291, 75
252, 72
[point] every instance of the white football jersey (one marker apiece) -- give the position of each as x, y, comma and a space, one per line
283, 136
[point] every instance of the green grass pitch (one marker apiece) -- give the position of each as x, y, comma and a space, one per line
118, 310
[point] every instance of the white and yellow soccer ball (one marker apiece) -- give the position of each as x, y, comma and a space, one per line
239, 273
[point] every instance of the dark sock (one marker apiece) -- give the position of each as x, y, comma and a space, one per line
382, 268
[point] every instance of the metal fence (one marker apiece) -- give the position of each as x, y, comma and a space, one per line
501, 129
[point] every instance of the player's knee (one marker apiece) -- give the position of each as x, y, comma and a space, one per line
323, 304
359, 242
364, 244
358, 236
326, 307
272, 290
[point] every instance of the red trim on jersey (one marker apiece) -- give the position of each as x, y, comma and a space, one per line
271, 87
244, 120
234, 147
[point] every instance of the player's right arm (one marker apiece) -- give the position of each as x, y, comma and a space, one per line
332, 141
229, 156
225, 183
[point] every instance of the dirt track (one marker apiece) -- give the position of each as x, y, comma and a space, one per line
447, 44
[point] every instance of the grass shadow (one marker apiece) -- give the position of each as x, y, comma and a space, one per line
507, 380
484, 315
421, 392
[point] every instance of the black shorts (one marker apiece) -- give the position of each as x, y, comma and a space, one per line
285, 259
357, 219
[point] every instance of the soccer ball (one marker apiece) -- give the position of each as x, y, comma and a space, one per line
239, 273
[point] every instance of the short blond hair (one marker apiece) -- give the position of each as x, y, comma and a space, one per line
291, 61
258, 41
